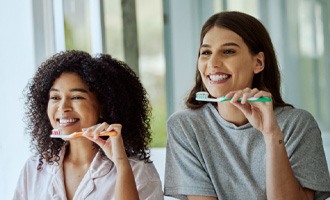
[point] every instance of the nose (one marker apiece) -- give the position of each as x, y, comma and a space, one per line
214, 61
64, 105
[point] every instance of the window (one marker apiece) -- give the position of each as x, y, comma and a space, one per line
298, 30
78, 22
313, 26
77, 25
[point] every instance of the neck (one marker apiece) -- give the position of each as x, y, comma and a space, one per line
80, 151
231, 113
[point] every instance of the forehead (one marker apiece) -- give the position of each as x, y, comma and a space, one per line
69, 79
220, 35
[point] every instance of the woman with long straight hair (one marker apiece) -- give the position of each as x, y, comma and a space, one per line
253, 145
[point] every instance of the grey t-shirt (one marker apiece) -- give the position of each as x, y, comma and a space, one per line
208, 156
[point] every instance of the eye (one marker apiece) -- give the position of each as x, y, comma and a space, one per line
77, 97
229, 51
54, 97
205, 52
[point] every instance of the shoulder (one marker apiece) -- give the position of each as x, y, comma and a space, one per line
32, 162
147, 179
183, 127
289, 111
27, 177
296, 115
298, 124
189, 114
182, 114
143, 171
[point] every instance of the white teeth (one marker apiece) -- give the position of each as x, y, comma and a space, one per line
64, 121
218, 77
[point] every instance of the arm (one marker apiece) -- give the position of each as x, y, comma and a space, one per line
114, 149
280, 180
125, 184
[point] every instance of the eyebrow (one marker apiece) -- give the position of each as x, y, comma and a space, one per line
71, 90
223, 45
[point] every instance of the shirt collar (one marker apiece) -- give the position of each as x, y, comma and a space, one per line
100, 166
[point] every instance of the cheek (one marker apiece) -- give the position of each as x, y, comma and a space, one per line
96, 108
201, 70
94, 113
49, 111
50, 114
200, 65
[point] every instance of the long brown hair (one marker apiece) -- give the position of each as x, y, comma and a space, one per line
256, 37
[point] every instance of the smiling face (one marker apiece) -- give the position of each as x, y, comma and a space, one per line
71, 106
225, 62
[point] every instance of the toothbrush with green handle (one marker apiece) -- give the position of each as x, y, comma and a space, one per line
203, 96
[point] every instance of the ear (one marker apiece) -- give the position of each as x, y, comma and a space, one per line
260, 62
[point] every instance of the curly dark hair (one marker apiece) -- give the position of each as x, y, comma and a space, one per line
119, 91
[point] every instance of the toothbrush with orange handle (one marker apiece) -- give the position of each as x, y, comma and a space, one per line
56, 133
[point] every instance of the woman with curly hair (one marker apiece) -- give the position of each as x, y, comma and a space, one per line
73, 91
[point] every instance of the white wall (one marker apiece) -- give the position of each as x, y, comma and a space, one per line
16, 67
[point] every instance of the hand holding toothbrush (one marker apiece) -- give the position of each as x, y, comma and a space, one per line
113, 147
259, 114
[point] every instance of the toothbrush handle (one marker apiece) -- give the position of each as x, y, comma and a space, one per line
260, 99
251, 99
109, 133
79, 134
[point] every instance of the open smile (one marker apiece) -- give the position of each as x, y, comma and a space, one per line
218, 77
67, 121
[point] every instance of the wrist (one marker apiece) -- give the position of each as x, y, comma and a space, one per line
122, 164
274, 137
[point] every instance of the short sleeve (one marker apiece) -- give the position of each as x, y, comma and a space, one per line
147, 180
185, 172
307, 156
20, 192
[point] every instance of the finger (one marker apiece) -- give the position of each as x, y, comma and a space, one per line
241, 96
246, 108
246, 90
103, 127
230, 94
245, 96
116, 139
262, 93
248, 93
238, 94
88, 131
118, 147
255, 91
93, 131
115, 127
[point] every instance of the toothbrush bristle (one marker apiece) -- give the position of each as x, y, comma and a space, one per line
202, 95
56, 132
